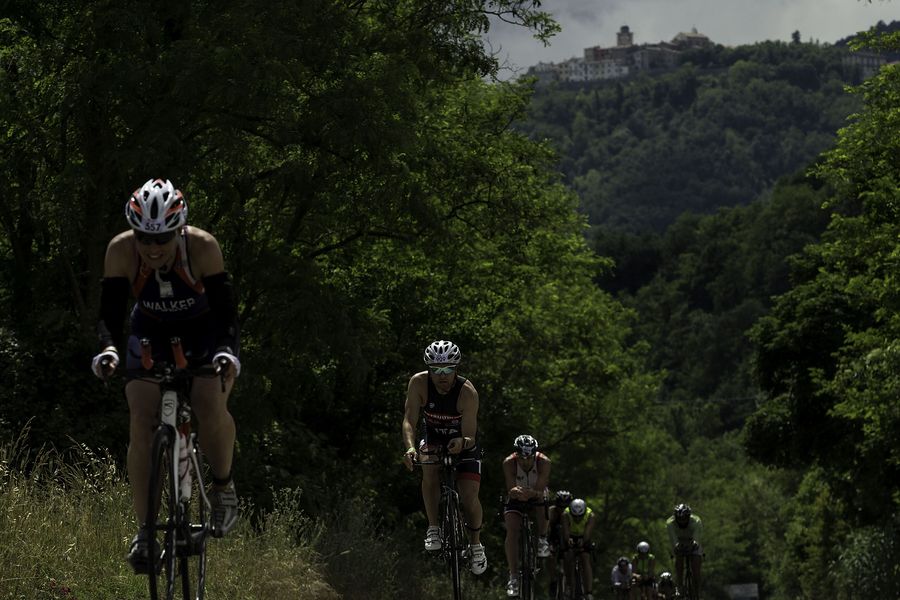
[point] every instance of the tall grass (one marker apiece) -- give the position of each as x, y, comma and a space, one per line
66, 523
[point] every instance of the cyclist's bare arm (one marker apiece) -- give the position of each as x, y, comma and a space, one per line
206, 254
415, 392
120, 257
509, 475
543, 478
589, 527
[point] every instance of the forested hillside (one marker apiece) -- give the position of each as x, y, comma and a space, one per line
356, 162
717, 131
756, 254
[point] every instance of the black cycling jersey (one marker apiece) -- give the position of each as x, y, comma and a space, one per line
443, 421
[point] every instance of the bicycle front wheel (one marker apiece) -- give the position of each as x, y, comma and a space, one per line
526, 563
455, 542
162, 517
196, 532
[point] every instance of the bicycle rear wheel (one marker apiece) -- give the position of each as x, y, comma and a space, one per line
576, 583
162, 517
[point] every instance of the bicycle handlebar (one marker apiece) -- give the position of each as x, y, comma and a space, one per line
152, 369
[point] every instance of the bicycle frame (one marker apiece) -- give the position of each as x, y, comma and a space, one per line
454, 546
176, 467
691, 590
528, 567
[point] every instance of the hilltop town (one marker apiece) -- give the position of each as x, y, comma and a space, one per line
627, 58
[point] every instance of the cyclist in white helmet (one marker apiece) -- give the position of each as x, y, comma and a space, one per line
527, 475
644, 566
450, 406
577, 526
666, 589
177, 275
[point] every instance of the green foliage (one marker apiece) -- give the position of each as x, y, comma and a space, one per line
827, 360
718, 131
369, 195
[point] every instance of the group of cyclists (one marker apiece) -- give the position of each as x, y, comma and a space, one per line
176, 274
447, 405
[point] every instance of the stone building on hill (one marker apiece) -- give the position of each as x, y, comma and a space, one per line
624, 59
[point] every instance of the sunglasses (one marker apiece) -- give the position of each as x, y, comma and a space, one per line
160, 239
442, 370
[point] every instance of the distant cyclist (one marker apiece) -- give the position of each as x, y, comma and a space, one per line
450, 406
177, 276
666, 587
644, 566
621, 578
577, 526
561, 501
684, 534
527, 474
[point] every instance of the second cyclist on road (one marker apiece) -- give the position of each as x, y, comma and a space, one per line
527, 474
450, 406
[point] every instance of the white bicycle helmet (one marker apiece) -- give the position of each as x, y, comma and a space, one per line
442, 352
525, 445
157, 207
578, 507
643, 547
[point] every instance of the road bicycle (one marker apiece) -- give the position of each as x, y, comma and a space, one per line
575, 585
176, 528
622, 592
454, 543
690, 589
528, 563
562, 582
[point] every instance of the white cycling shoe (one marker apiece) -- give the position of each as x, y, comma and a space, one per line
433, 539
512, 588
543, 549
477, 559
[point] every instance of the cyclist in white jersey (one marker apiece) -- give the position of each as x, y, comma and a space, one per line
527, 474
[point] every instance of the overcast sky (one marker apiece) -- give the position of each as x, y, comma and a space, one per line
588, 23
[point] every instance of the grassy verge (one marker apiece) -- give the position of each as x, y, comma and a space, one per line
66, 523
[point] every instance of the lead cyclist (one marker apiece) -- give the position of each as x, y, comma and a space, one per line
176, 274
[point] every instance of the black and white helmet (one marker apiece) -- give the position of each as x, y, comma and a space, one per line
442, 352
563, 498
525, 445
156, 207
682, 512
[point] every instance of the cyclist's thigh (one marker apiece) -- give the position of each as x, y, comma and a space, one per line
513, 520
143, 402
431, 473
468, 488
207, 396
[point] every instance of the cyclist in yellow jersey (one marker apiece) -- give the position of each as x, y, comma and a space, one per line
644, 570
577, 525
684, 534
